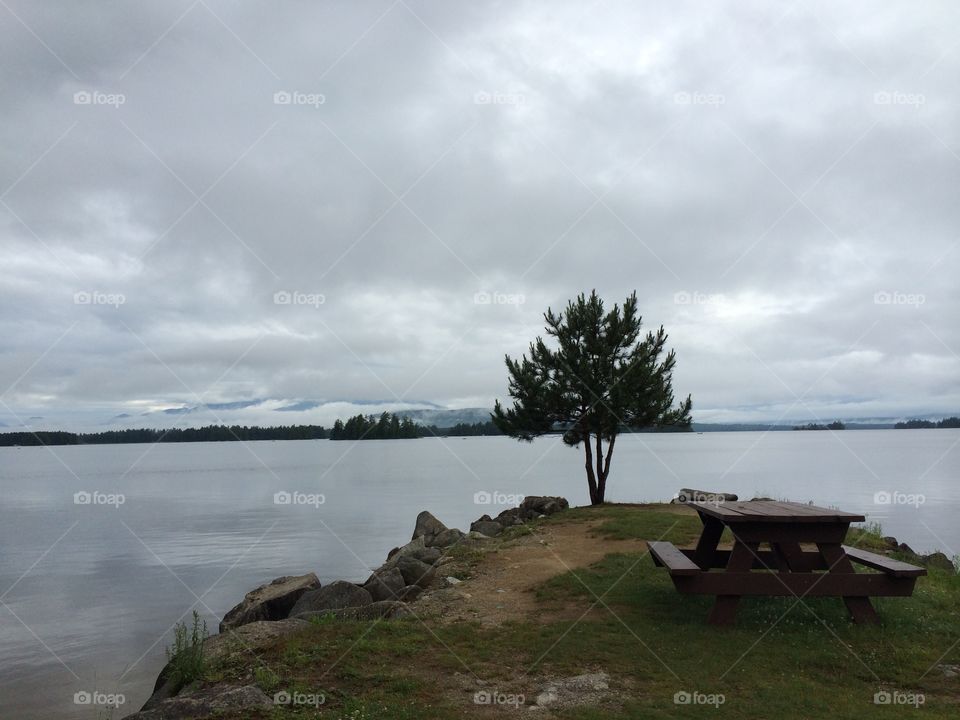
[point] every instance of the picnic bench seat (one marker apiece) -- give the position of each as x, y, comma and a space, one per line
666, 554
896, 568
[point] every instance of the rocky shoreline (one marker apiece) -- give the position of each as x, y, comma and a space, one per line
288, 604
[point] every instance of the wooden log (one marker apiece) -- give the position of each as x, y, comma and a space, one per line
694, 495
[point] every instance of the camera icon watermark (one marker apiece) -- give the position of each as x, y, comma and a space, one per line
895, 97
699, 496
295, 97
285, 697
895, 297
897, 697
483, 97
284, 497
895, 497
96, 97
683, 697
485, 297
687, 297
496, 497
295, 297
494, 697
96, 497
699, 98
95, 297
95, 697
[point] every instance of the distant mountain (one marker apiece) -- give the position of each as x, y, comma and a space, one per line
444, 418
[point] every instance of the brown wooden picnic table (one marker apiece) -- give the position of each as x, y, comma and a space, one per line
785, 567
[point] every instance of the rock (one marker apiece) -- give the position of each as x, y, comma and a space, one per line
538, 505
415, 572
272, 601
336, 595
428, 555
475, 539
385, 584
208, 702
453, 581
490, 528
906, 549
761, 499
247, 638
413, 546
427, 526
508, 518
950, 671
385, 609
446, 538
572, 691
938, 560
890, 542
411, 593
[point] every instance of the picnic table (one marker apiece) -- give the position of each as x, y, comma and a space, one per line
781, 549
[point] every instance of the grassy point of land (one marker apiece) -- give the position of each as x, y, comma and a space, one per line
619, 615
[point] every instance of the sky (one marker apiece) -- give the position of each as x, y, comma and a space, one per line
325, 206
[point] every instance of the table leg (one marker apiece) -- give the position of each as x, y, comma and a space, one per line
724, 610
789, 557
859, 606
707, 544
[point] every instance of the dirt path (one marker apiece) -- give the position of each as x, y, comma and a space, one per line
501, 587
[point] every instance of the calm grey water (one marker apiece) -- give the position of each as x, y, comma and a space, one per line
90, 592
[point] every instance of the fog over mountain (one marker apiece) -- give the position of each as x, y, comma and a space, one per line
288, 212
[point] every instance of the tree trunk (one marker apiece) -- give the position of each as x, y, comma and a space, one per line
602, 477
591, 477
600, 483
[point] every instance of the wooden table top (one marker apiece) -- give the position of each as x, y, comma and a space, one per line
773, 512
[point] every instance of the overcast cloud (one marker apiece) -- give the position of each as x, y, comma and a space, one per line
778, 181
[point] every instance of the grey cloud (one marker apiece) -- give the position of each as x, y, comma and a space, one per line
781, 168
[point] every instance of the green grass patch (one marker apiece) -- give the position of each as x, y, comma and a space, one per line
783, 658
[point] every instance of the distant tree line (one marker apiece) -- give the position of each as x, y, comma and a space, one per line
950, 422
210, 433
386, 426
835, 425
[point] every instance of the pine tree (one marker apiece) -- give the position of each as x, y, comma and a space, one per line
599, 379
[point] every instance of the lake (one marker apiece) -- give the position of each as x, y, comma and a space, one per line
105, 548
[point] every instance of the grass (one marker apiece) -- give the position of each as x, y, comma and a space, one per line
784, 658
187, 664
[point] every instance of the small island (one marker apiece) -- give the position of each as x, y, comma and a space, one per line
835, 425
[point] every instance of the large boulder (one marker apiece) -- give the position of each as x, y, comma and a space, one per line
427, 527
209, 702
336, 595
938, 560
272, 601
385, 609
386, 584
543, 505
511, 517
415, 572
446, 538
490, 528
428, 555
411, 593
413, 546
